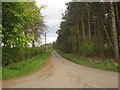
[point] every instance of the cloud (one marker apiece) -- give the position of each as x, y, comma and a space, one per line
49, 40
52, 15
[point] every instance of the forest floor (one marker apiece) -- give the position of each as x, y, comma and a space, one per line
61, 73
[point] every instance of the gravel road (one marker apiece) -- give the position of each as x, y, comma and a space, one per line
61, 73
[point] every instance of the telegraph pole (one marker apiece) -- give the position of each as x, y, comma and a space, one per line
45, 38
45, 42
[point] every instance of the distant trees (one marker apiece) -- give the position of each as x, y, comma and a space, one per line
88, 30
22, 23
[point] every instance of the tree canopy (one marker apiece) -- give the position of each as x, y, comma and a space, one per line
22, 23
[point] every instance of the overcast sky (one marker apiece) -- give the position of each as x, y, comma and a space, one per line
52, 16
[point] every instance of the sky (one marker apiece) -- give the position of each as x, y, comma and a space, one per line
52, 17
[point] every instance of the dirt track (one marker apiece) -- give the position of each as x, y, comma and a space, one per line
61, 73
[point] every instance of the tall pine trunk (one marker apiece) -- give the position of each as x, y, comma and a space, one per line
78, 33
101, 38
114, 31
95, 31
83, 28
89, 32
74, 40
118, 23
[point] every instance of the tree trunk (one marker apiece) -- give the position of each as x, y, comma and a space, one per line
89, 32
95, 26
75, 46
33, 43
78, 33
101, 38
74, 40
83, 29
117, 23
114, 31
108, 38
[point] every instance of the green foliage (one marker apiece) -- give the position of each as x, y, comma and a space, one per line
105, 64
87, 48
33, 51
22, 23
1, 31
12, 55
9, 55
25, 66
0, 73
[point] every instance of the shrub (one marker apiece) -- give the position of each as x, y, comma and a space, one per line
86, 48
12, 55
9, 55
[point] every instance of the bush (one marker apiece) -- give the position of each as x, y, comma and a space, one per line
87, 48
30, 52
12, 55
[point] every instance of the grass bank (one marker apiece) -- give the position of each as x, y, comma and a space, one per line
25, 66
105, 64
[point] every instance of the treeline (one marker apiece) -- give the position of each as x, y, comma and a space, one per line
90, 29
22, 27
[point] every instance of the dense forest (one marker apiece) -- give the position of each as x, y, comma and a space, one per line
90, 29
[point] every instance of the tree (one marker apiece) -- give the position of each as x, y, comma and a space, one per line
114, 31
20, 23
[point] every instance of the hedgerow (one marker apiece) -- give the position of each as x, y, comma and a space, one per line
12, 55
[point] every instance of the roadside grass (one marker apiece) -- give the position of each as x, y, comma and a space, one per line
105, 64
0, 73
25, 66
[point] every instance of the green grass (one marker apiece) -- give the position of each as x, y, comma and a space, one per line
105, 64
25, 66
0, 73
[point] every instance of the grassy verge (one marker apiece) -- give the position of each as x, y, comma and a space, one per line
0, 73
25, 66
105, 64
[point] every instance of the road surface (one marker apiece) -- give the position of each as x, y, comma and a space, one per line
61, 73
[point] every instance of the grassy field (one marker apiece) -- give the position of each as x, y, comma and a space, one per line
25, 66
105, 64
